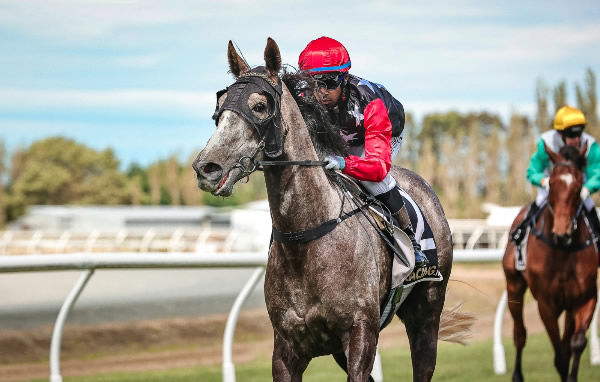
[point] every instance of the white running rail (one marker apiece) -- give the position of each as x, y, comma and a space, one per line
466, 234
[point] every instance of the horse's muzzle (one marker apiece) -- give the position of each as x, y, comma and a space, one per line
207, 174
563, 240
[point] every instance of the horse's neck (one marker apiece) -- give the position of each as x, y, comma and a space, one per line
299, 197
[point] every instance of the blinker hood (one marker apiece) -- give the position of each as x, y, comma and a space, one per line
268, 129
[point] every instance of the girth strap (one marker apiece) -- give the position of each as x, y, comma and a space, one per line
302, 237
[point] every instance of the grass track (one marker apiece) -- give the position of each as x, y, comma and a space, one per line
455, 363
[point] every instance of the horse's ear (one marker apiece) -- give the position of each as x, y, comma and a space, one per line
554, 157
272, 58
583, 149
237, 65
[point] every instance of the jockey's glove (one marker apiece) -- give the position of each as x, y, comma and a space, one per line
545, 183
335, 162
585, 193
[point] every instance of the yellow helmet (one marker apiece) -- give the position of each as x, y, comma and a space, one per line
568, 116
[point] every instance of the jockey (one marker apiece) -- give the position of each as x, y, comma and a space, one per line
371, 121
569, 123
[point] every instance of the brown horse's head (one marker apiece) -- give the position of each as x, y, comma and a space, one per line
566, 180
246, 123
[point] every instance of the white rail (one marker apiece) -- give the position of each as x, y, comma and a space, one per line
134, 260
466, 234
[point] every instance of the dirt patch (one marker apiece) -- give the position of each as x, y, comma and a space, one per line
181, 342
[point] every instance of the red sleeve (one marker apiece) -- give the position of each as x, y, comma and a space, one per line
378, 146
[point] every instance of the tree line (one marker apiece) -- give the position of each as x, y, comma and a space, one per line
468, 158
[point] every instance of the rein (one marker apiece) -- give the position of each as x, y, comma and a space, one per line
249, 164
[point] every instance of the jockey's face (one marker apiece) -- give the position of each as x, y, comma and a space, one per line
575, 142
329, 88
329, 97
572, 136
572, 141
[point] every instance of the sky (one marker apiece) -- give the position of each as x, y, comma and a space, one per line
140, 76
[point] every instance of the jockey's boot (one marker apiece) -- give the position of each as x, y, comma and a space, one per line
404, 221
393, 200
519, 232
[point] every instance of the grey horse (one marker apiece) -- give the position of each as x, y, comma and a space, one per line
324, 295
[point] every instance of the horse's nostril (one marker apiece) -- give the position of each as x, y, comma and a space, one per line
210, 168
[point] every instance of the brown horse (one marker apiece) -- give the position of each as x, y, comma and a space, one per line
324, 290
561, 267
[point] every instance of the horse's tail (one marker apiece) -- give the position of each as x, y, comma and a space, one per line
455, 326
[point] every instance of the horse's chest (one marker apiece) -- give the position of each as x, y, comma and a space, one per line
559, 286
309, 320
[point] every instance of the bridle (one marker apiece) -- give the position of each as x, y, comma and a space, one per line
268, 129
540, 233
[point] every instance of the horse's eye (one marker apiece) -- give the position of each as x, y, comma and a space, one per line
259, 108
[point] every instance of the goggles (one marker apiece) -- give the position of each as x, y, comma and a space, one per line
329, 81
573, 131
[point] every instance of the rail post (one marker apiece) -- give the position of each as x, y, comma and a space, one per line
60, 324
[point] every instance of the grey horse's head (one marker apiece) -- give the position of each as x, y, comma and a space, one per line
246, 123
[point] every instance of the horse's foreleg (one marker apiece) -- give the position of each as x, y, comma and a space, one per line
516, 287
550, 319
341, 360
362, 347
583, 319
568, 333
286, 365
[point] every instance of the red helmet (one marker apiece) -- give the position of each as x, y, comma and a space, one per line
324, 55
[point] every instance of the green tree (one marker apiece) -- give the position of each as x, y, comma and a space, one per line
543, 120
60, 171
472, 171
427, 166
155, 183
493, 180
518, 147
191, 195
3, 168
409, 152
587, 101
560, 95
173, 180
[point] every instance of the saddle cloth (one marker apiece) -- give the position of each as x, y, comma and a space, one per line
405, 277
401, 274
521, 251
